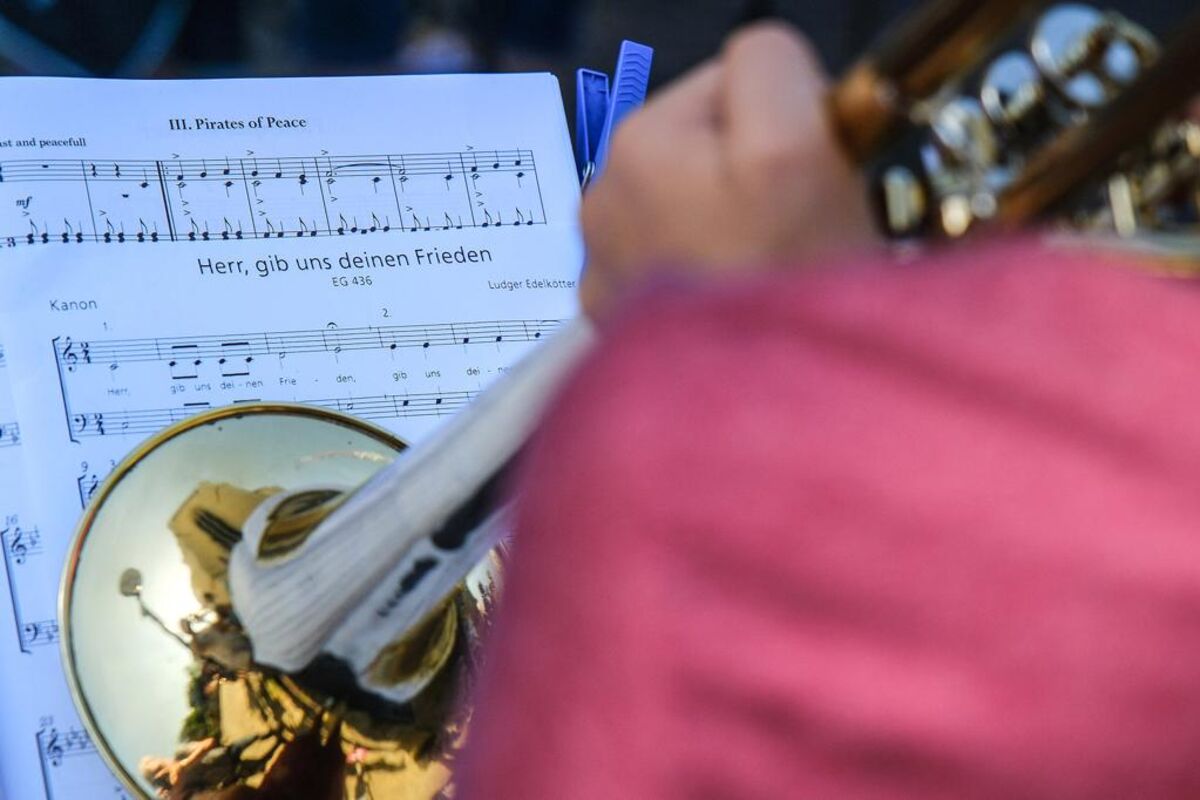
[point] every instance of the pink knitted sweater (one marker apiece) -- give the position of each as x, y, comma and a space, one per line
881, 532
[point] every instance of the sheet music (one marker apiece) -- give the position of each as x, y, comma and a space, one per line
55, 758
248, 197
380, 246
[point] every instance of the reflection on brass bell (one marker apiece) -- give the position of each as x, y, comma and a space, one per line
160, 668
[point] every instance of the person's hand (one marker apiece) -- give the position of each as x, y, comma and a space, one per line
735, 167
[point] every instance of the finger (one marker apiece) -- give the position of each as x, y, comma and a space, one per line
593, 294
773, 88
693, 98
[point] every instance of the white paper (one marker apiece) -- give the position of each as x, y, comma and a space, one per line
389, 258
44, 751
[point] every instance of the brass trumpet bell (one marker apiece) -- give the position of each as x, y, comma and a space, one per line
164, 679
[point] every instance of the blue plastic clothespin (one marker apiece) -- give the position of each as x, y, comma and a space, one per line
600, 105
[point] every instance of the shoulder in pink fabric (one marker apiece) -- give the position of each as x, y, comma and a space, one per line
906, 532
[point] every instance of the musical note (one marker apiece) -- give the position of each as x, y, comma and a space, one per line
235, 360
185, 366
330, 337
10, 434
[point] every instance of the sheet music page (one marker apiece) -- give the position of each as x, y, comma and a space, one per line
383, 246
30, 752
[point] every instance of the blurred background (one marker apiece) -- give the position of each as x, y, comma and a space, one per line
225, 38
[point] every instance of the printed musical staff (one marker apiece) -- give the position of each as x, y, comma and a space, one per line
71, 767
10, 434
122, 201
38, 634
20, 545
233, 354
55, 746
88, 482
378, 407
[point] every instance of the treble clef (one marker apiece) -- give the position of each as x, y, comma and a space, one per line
52, 749
69, 357
17, 547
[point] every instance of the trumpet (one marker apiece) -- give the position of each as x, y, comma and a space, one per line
1078, 123
321, 591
